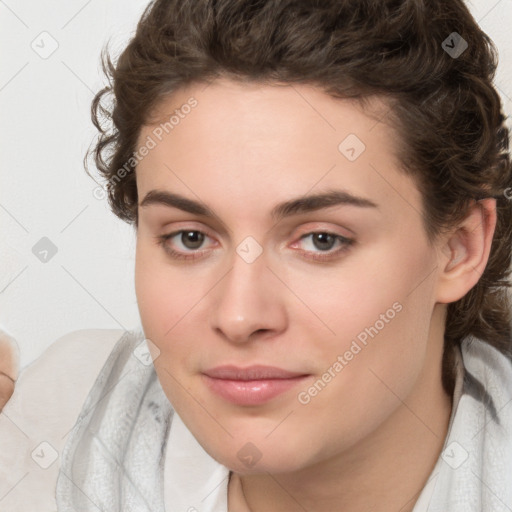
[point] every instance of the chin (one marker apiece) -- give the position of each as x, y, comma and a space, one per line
259, 456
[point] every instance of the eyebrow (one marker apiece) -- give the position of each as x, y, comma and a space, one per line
296, 206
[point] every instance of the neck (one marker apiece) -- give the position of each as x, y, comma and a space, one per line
385, 471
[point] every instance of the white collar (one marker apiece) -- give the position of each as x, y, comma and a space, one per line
193, 480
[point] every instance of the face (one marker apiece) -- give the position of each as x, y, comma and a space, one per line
243, 259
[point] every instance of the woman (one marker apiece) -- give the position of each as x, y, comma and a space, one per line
319, 193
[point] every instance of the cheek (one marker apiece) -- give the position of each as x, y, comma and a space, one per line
366, 288
159, 287
169, 306
378, 314
364, 375
160, 297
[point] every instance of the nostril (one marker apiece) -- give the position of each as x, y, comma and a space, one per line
259, 332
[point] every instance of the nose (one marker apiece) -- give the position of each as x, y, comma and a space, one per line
248, 302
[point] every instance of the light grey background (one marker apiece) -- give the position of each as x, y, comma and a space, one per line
45, 130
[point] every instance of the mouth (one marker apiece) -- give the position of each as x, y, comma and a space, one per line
254, 385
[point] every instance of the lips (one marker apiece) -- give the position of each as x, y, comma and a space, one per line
251, 386
257, 372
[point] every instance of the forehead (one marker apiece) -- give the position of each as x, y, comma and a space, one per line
265, 109
247, 140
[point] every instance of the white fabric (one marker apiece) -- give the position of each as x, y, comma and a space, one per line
114, 458
194, 481
38, 418
473, 473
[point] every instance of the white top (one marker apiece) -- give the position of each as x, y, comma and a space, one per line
35, 425
192, 477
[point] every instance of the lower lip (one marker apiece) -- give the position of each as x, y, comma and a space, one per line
251, 392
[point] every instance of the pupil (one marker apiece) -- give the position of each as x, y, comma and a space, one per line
325, 240
192, 239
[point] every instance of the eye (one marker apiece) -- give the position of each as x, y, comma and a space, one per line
186, 240
185, 244
324, 241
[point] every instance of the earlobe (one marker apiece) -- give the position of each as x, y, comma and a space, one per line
465, 252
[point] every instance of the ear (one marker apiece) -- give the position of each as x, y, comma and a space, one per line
465, 251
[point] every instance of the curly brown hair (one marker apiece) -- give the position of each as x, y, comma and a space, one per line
447, 114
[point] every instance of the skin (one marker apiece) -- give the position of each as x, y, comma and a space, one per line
8, 367
371, 437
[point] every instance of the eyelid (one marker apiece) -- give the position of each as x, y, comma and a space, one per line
172, 234
323, 227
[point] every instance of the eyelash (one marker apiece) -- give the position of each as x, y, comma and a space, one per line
326, 256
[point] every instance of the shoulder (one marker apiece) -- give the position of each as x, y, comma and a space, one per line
487, 363
487, 383
36, 422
